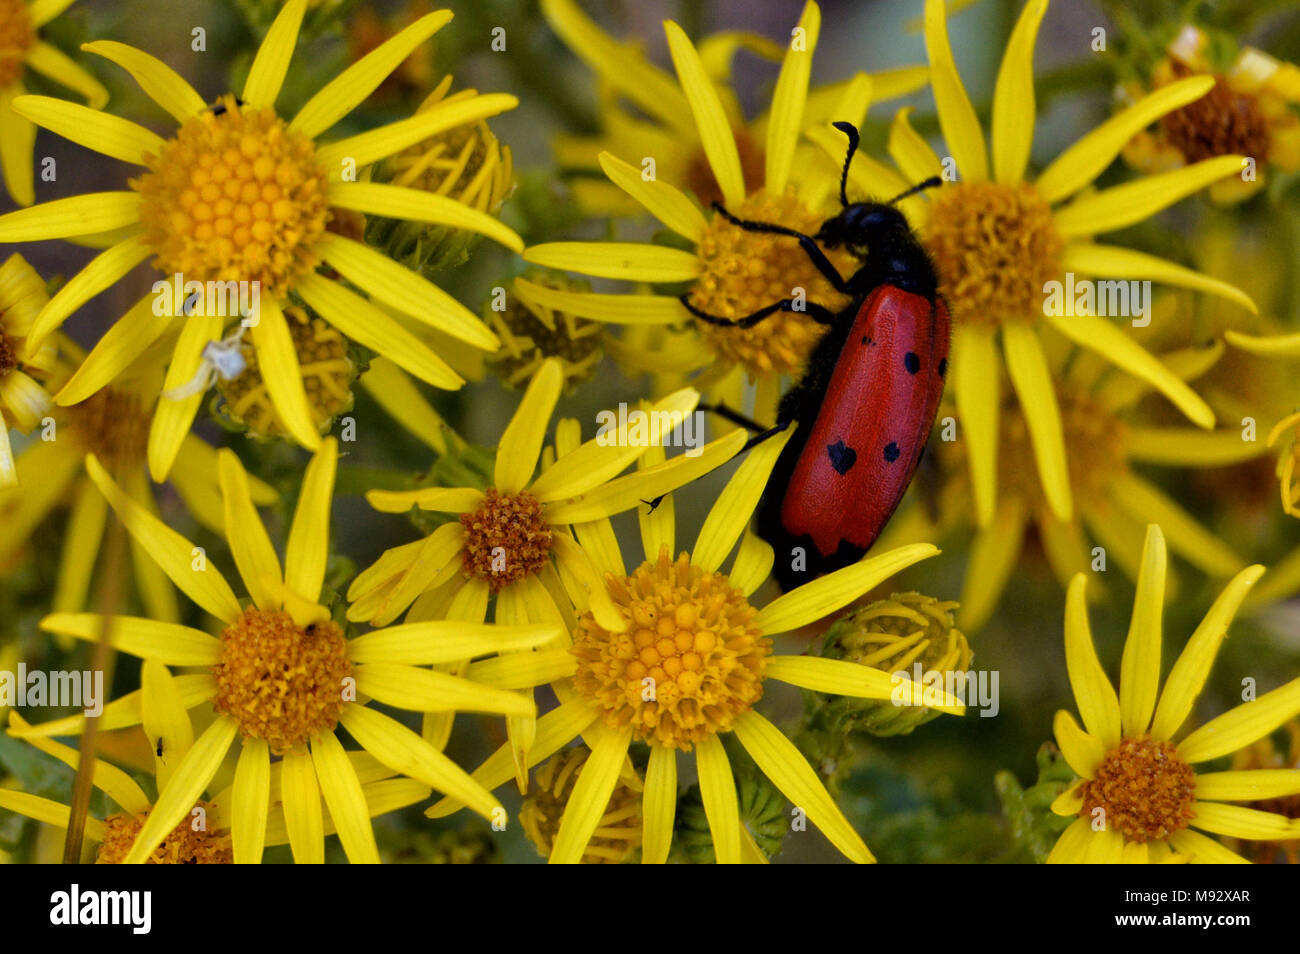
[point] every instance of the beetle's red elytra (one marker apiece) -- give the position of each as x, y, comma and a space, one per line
868, 400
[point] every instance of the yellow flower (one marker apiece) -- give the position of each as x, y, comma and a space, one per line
203, 834
1139, 797
618, 834
661, 126
240, 195
683, 662
1114, 500
1250, 111
997, 239
113, 424
21, 48
283, 678
732, 272
23, 400
512, 539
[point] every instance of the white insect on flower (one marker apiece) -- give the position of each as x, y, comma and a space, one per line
222, 359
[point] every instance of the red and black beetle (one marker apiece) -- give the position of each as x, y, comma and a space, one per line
867, 402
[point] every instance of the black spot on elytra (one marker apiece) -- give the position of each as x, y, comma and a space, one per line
842, 456
911, 362
891, 452
866, 339
943, 367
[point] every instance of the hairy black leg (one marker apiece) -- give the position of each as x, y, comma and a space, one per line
806, 242
735, 417
818, 313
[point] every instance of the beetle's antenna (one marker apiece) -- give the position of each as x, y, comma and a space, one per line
851, 131
929, 183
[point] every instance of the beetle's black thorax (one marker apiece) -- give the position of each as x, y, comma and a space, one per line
879, 236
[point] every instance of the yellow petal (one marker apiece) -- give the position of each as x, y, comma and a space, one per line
164, 719
1082, 162
585, 585
116, 351
251, 802
283, 376
785, 765
632, 490
590, 796
171, 551
398, 395
432, 643
78, 215
191, 777
786, 120
345, 799
1286, 346
1139, 678
300, 791
399, 202
159, 81
665, 202
308, 550
427, 690
47, 811
716, 138
1203, 850
521, 443
1239, 727
1101, 336
109, 779
271, 63
1188, 676
172, 418
407, 754
658, 805
957, 119
1238, 821
249, 544
734, 508
1247, 785
617, 309
753, 563
1122, 205
1142, 500
1093, 693
1013, 98
631, 261
523, 670
1114, 261
1027, 368
168, 643
842, 678
977, 391
103, 270
1183, 447
815, 599
100, 131
363, 322
52, 62
1082, 751
42, 12
993, 558
17, 138
912, 153
1072, 846
718, 792
345, 92
1070, 801
361, 150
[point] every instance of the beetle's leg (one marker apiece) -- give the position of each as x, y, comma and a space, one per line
806, 242
735, 417
764, 434
818, 313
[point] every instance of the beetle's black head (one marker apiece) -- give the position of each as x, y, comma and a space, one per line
862, 224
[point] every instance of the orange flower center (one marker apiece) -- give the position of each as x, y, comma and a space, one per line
995, 247
16, 37
1144, 788
690, 662
745, 271
506, 539
236, 195
753, 167
279, 681
8, 354
1223, 122
113, 424
190, 842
